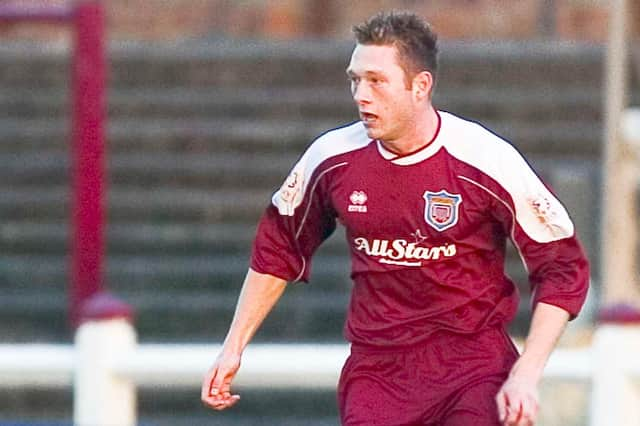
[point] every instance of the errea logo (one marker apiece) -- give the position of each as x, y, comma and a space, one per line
358, 200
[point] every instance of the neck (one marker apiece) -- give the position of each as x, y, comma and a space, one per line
422, 133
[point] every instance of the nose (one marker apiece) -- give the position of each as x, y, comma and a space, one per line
361, 94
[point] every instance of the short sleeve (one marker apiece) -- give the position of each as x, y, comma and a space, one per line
298, 220
543, 233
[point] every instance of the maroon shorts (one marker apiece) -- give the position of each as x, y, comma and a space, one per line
449, 380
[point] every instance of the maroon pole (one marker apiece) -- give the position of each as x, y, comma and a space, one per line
87, 298
88, 162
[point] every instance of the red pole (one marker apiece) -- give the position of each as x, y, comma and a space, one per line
88, 162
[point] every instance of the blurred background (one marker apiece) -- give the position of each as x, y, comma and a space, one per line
210, 102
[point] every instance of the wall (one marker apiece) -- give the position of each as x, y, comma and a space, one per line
454, 19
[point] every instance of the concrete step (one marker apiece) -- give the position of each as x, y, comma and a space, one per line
302, 314
42, 238
180, 315
34, 65
187, 135
314, 312
209, 170
150, 273
481, 103
154, 169
41, 233
550, 137
243, 63
194, 170
35, 218
185, 102
305, 313
310, 103
536, 64
159, 406
161, 204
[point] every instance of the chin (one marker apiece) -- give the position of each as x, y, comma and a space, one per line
373, 133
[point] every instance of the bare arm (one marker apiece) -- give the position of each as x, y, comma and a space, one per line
518, 398
259, 294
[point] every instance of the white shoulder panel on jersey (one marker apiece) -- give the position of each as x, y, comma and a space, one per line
537, 210
334, 142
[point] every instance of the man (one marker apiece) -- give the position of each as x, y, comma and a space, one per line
428, 200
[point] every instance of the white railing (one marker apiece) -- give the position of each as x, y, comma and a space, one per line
106, 364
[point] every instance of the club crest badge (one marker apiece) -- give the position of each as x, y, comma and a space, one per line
441, 209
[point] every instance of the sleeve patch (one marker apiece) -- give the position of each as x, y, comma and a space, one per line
290, 194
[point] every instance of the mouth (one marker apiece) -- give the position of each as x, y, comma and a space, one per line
368, 118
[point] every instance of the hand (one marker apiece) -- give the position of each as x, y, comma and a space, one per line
518, 402
216, 386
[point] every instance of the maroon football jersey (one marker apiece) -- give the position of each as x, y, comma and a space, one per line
426, 231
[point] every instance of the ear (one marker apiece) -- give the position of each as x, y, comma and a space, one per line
422, 85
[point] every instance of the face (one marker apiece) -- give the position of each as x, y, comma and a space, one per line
387, 105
